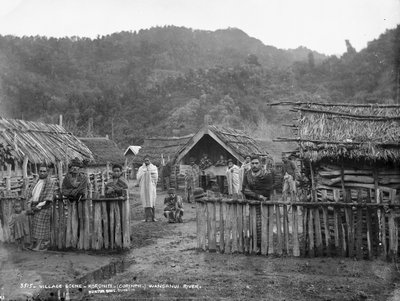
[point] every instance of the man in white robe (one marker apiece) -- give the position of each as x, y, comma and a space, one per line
147, 177
232, 176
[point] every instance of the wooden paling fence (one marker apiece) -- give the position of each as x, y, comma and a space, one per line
94, 223
299, 229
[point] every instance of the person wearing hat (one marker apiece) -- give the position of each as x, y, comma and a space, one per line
173, 210
147, 178
232, 177
75, 183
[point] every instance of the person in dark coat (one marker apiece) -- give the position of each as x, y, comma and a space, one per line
118, 186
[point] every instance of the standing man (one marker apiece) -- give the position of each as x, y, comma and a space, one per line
221, 179
117, 186
75, 183
147, 177
243, 169
232, 177
40, 196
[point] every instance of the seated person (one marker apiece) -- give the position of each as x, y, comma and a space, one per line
118, 186
257, 182
173, 207
205, 162
221, 161
74, 185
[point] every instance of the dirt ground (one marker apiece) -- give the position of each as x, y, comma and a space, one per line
164, 264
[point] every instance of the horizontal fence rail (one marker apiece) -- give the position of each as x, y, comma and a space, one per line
305, 229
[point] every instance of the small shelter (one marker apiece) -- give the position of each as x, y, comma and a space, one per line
160, 149
350, 152
105, 152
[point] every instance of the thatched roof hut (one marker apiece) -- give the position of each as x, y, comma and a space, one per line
157, 148
104, 151
38, 142
216, 141
350, 146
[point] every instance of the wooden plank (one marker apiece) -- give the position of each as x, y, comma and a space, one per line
118, 234
105, 224
311, 246
212, 247
336, 230
126, 224
68, 233
255, 234
97, 234
198, 225
81, 225
240, 227
359, 237
246, 225
74, 224
350, 231
278, 230
234, 229
369, 233
57, 225
383, 234
318, 232
270, 229
61, 224
304, 231
222, 210
228, 228
112, 225
326, 230
286, 229
264, 229
295, 231
393, 236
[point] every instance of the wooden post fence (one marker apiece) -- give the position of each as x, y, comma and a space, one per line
348, 229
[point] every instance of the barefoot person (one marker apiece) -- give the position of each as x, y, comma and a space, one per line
173, 207
40, 196
19, 225
147, 177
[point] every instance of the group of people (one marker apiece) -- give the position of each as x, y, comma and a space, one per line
40, 195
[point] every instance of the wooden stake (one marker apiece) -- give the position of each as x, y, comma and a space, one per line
278, 230
211, 227
296, 247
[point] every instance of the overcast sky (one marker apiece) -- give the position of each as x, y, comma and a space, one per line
321, 25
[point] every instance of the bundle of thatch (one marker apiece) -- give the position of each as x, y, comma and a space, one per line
357, 132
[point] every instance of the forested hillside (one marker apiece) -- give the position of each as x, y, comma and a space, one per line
163, 81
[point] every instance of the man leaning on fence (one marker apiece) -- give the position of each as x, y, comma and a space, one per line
258, 183
40, 196
117, 186
75, 183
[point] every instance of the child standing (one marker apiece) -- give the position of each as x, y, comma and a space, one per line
19, 225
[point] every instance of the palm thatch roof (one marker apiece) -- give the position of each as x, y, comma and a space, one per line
40, 142
157, 148
237, 143
104, 150
357, 132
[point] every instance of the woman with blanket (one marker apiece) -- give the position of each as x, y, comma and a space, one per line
232, 177
147, 177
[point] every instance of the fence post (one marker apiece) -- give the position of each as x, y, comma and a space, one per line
296, 248
211, 227
126, 226
264, 229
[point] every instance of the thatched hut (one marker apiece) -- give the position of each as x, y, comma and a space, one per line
105, 152
29, 144
350, 152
